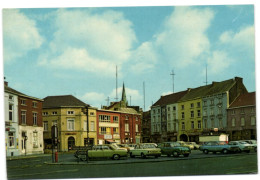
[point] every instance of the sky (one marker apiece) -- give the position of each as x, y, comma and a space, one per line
62, 51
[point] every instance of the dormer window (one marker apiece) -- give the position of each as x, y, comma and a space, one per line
70, 112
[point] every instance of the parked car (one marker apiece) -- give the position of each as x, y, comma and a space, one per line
243, 146
131, 146
174, 148
253, 143
195, 145
144, 150
218, 146
124, 146
102, 151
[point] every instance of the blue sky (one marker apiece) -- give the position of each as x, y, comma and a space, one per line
76, 50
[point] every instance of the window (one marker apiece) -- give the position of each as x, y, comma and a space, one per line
23, 117
233, 112
174, 108
115, 130
205, 103
219, 110
211, 111
183, 126
136, 128
233, 121
11, 98
92, 113
191, 105
198, 104
169, 116
70, 124
126, 127
192, 114
205, 112
252, 109
54, 113
54, 122
136, 118
104, 118
205, 123
212, 102
23, 102
252, 120
70, 112
126, 117
34, 118
11, 108
34, 104
103, 130
85, 126
242, 111
45, 113
198, 113
174, 126
169, 108
45, 125
182, 115
159, 111
35, 139
219, 100
115, 119
182, 107
11, 139
220, 123
92, 126
212, 123
242, 121
192, 124
199, 124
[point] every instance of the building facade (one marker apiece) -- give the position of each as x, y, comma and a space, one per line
108, 130
146, 127
70, 115
24, 123
241, 118
11, 121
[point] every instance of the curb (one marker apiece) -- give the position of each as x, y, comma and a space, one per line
25, 157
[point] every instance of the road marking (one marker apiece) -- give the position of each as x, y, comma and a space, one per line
61, 171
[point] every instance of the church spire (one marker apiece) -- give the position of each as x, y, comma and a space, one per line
124, 95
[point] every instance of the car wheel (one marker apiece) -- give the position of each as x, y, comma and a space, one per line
175, 154
205, 151
186, 155
131, 155
224, 151
143, 156
116, 157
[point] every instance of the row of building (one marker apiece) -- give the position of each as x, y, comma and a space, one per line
29, 121
221, 107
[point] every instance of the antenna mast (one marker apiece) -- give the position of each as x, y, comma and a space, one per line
172, 74
206, 75
116, 85
144, 94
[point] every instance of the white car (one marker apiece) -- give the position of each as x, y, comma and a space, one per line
144, 150
243, 146
253, 143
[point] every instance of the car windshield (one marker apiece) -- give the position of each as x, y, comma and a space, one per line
146, 146
175, 144
242, 142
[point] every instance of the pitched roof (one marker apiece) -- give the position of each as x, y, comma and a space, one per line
62, 101
128, 111
247, 99
211, 89
15, 92
170, 98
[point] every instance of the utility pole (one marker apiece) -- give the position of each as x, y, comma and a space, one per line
116, 85
172, 74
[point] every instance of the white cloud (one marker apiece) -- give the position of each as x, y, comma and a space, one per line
166, 93
94, 99
242, 41
218, 62
106, 38
20, 34
180, 42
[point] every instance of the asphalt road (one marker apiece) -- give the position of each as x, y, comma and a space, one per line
196, 164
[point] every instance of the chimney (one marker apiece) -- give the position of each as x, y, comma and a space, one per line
6, 83
239, 79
